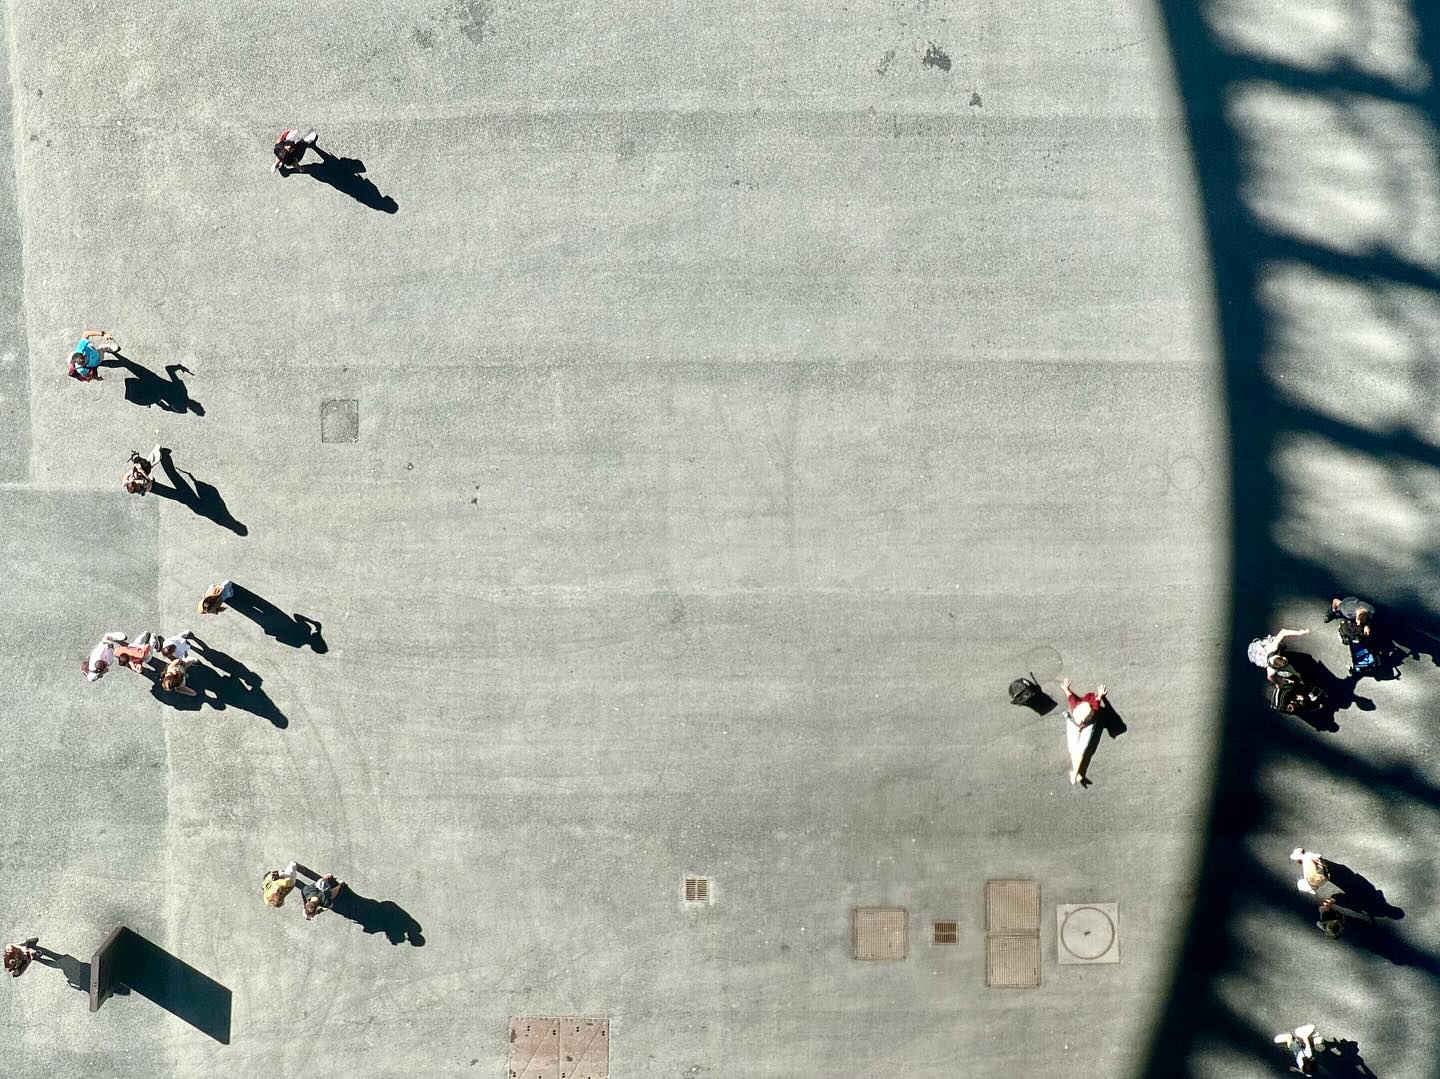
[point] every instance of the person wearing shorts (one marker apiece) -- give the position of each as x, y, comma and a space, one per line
89, 353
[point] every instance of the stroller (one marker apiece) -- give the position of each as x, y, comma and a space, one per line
1365, 651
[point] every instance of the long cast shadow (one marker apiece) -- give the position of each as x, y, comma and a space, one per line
1216, 66
144, 387
220, 682
201, 498
295, 630
163, 979
379, 916
346, 175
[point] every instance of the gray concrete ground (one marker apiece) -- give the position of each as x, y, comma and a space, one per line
745, 397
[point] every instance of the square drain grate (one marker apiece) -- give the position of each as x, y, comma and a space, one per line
945, 932
339, 420
546, 1047
696, 891
879, 933
1012, 962
1012, 906
1088, 932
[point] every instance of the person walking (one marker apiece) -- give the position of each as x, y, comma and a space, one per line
176, 647
276, 884
138, 480
320, 895
20, 955
173, 678
89, 352
114, 648
1313, 871
290, 147
1262, 648
215, 597
1333, 917
1081, 728
1303, 1042
1352, 609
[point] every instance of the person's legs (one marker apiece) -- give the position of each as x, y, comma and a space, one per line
1074, 742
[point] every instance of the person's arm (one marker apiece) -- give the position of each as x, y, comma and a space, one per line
1070, 699
1285, 634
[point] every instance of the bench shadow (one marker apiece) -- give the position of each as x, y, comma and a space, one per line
202, 499
295, 630
379, 916
346, 175
169, 982
144, 387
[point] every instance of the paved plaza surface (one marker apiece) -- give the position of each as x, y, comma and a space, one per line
657, 443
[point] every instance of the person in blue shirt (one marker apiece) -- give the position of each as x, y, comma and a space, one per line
90, 350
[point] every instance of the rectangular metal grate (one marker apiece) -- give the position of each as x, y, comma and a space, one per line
945, 932
1012, 906
1012, 934
696, 889
1012, 962
879, 933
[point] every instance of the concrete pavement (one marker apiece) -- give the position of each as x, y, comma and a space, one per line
739, 411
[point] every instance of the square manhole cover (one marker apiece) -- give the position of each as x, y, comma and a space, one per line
879, 933
339, 420
547, 1047
1012, 962
1012, 906
1088, 932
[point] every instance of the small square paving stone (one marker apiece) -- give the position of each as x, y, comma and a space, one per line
879, 933
339, 420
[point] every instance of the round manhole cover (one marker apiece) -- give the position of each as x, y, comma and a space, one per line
1087, 933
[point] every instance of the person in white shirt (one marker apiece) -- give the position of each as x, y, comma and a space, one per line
112, 649
176, 647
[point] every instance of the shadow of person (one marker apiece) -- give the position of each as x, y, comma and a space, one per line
1348, 1059
296, 630
76, 971
144, 387
220, 682
1360, 893
346, 175
1385, 943
1111, 721
202, 498
379, 916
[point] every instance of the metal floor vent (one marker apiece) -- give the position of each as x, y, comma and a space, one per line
696, 891
945, 932
1012, 934
879, 933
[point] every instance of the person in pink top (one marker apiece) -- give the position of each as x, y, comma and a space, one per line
1081, 726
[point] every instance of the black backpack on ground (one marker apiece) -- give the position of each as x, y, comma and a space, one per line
1024, 690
